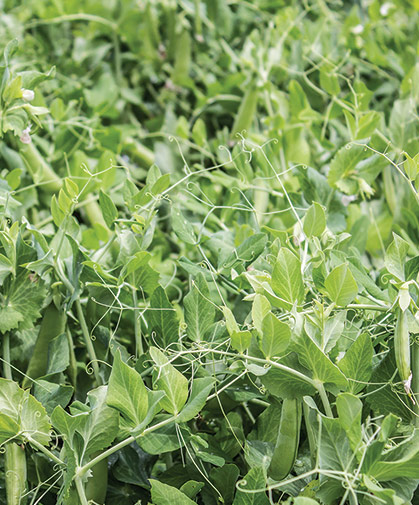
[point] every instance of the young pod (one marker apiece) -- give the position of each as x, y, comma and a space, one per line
15, 473
402, 345
286, 447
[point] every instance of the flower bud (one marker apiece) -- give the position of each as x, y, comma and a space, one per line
25, 137
28, 95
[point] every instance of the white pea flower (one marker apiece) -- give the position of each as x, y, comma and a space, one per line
25, 138
358, 29
385, 8
346, 200
28, 95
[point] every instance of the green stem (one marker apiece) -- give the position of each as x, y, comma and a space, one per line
88, 341
83, 469
415, 380
7, 369
137, 328
379, 308
46, 451
324, 399
81, 491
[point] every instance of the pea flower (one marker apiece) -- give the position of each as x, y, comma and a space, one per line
28, 95
25, 137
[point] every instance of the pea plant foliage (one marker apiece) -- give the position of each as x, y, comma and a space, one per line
209, 271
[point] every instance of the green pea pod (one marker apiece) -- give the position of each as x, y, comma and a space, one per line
52, 325
286, 447
15, 473
180, 74
40, 170
402, 345
247, 109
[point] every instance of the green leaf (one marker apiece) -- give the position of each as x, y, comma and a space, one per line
313, 358
58, 355
254, 479
201, 388
357, 363
335, 452
100, 427
8, 428
275, 336
260, 308
343, 168
171, 381
411, 166
240, 340
314, 221
285, 384
395, 256
108, 208
199, 310
248, 251
231, 323
22, 300
162, 494
341, 286
162, 318
127, 393
400, 461
182, 227
26, 412
349, 409
287, 281
51, 395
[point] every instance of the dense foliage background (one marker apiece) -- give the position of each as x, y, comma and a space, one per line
209, 252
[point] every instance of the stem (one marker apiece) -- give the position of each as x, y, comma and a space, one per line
81, 492
88, 341
415, 380
365, 306
7, 370
46, 451
137, 329
324, 398
83, 469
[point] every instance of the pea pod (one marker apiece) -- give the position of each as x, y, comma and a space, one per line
52, 325
402, 345
40, 170
247, 109
286, 446
15, 473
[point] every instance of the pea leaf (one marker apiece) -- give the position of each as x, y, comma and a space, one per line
357, 363
199, 311
275, 336
341, 286
162, 494
162, 318
171, 381
127, 393
287, 281
314, 221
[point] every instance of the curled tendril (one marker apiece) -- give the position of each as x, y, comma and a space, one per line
262, 390
75, 200
349, 146
37, 414
183, 326
2, 449
386, 278
89, 369
240, 484
92, 337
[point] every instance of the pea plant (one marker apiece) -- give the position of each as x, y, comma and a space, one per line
208, 262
